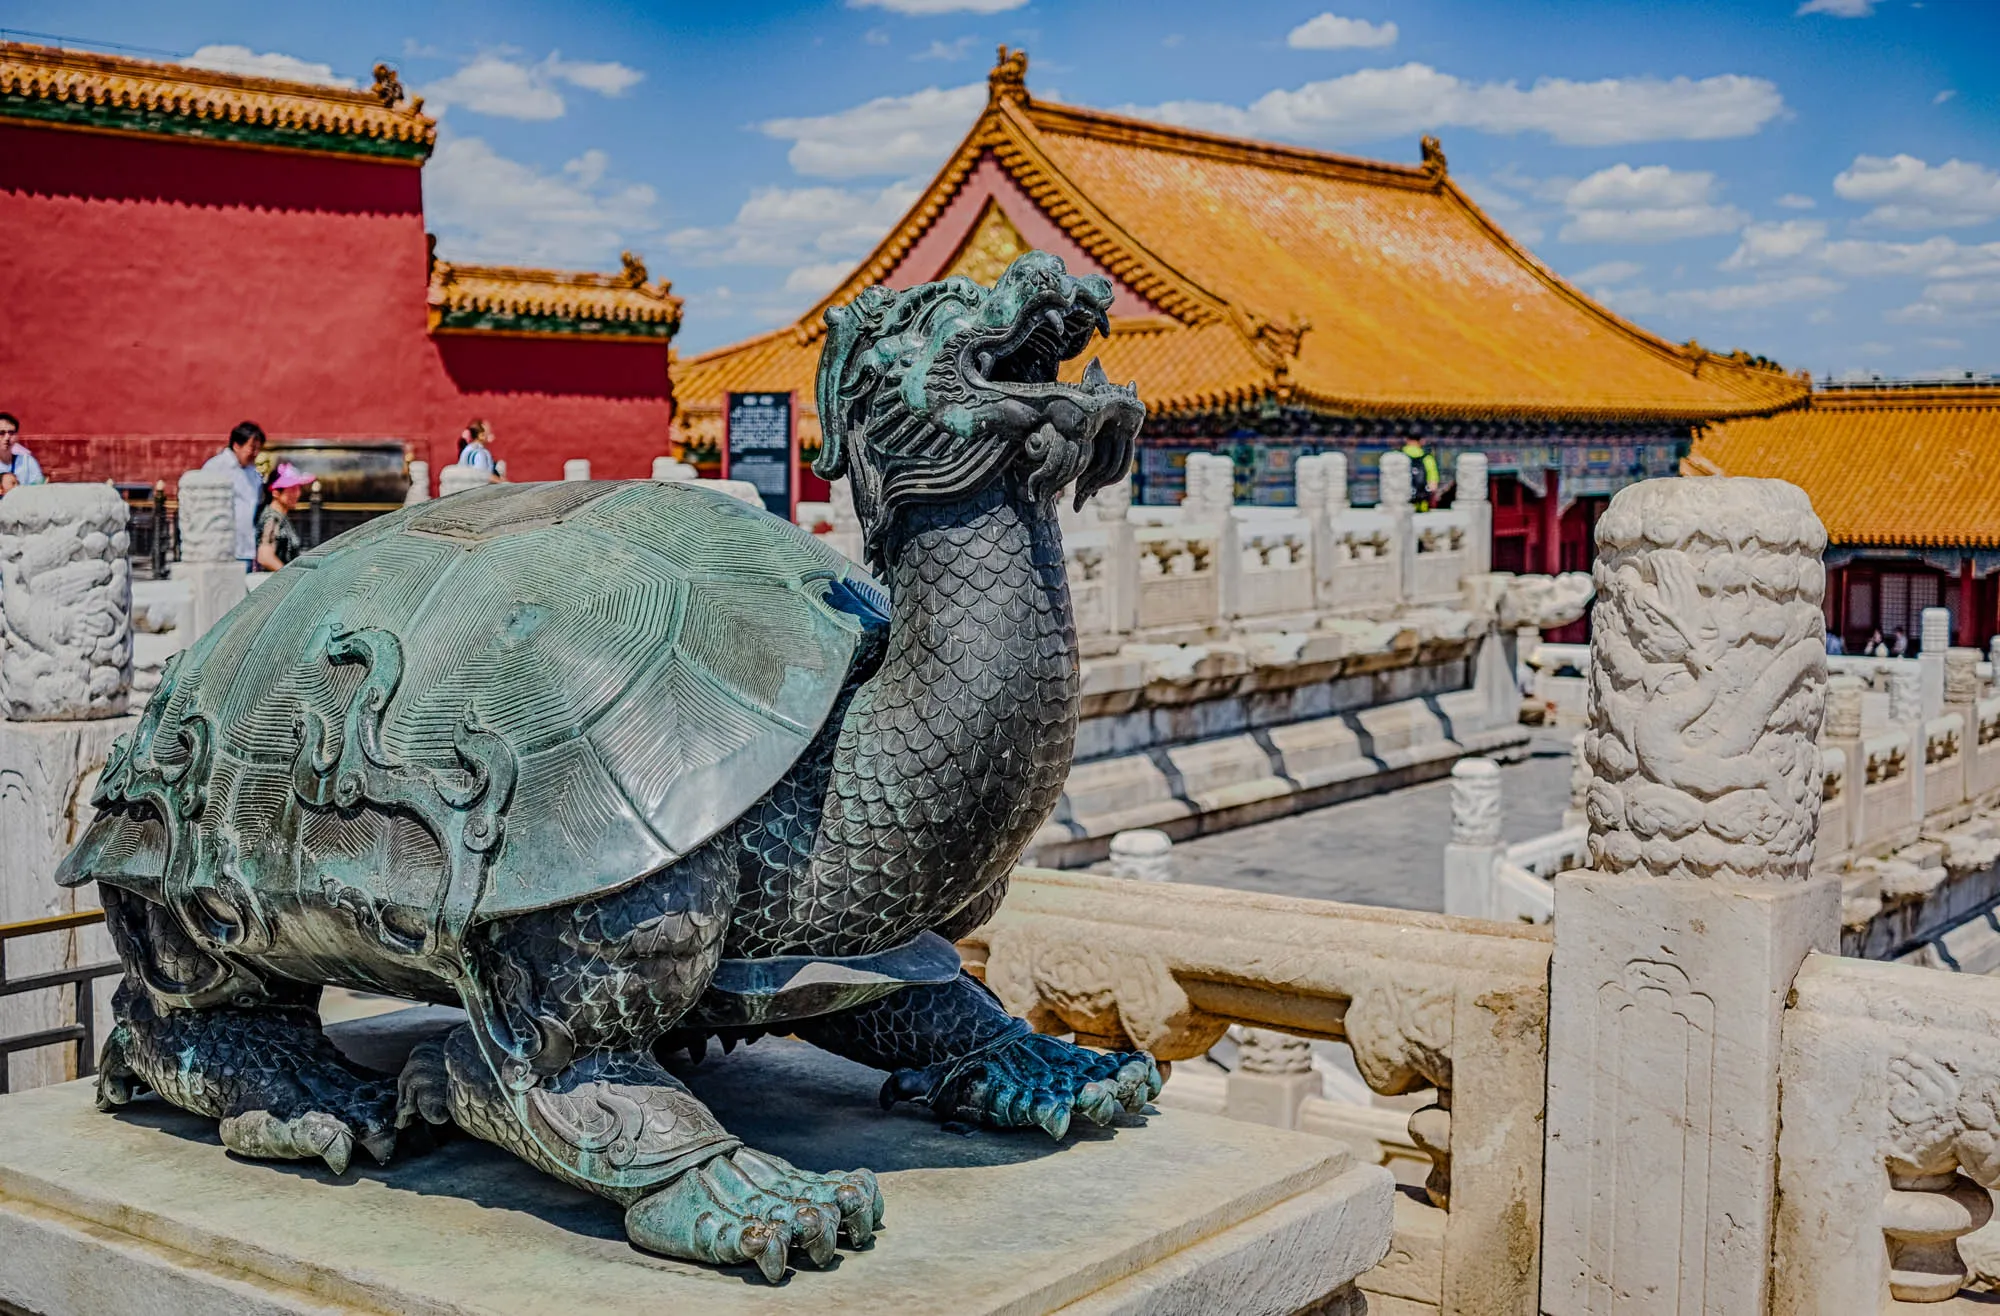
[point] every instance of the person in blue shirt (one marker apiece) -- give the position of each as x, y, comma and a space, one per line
475, 447
239, 459
17, 465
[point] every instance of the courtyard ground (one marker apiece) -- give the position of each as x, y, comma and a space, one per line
1378, 850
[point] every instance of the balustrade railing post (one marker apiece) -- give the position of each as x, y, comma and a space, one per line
317, 518
1471, 496
1395, 501
1474, 848
1675, 952
159, 545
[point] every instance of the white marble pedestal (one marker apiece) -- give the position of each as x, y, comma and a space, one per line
1178, 1213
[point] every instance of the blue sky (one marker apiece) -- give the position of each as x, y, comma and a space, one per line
1817, 181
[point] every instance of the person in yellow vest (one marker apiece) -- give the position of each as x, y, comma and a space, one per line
1423, 475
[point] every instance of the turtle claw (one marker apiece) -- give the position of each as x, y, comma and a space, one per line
745, 1206
262, 1136
1031, 1080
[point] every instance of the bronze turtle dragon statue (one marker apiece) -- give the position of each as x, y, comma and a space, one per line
621, 767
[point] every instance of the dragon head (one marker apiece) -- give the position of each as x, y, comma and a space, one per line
930, 394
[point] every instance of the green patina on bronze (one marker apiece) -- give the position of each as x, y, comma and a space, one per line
622, 767
109, 116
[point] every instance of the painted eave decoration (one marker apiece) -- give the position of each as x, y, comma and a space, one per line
507, 299
93, 92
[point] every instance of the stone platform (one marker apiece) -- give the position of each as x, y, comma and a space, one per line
1175, 1212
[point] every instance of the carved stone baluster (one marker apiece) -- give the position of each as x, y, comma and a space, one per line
1474, 848
215, 578
1708, 680
420, 484
1273, 1077
1430, 1129
1923, 1217
1143, 854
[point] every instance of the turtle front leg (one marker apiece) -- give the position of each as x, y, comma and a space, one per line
618, 1125
955, 1049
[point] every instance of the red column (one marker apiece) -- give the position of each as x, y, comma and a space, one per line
1552, 525
1968, 607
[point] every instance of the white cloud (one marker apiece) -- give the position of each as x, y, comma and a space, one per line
1795, 201
270, 64
947, 50
1605, 273
1768, 244
925, 8
1728, 298
888, 135
493, 83
1329, 32
488, 207
1910, 193
1944, 96
876, 36
820, 231
1376, 103
1649, 204
1803, 242
1839, 8
1961, 301
1521, 223
1943, 344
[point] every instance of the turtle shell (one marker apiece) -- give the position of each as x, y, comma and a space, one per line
574, 683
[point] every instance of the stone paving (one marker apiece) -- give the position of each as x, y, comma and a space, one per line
1379, 850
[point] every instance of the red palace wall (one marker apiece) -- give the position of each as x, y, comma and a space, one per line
158, 291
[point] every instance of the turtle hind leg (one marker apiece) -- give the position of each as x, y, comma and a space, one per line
618, 1125
265, 1070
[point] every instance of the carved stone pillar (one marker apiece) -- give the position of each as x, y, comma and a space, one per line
65, 677
457, 479
1674, 955
215, 577
420, 484
1842, 739
1394, 500
668, 468
1273, 1077
576, 468
1474, 847
1579, 783
1113, 504
1143, 854
1320, 487
1471, 497
1930, 659
1211, 500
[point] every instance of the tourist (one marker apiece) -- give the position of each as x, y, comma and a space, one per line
1835, 646
1423, 475
277, 542
17, 465
1899, 643
475, 448
239, 458
1877, 647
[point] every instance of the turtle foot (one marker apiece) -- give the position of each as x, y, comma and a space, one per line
1031, 1080
746, 1206
313, 1135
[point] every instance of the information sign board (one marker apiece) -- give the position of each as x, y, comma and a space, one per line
760, 444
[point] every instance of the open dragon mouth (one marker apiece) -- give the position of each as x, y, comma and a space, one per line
1035, 352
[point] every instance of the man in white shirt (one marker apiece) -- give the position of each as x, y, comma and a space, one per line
239, 459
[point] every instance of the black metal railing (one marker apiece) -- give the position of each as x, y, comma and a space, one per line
152, 528
83, 1033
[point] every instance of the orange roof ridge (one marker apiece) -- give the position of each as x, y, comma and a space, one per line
519, 299
86, 90
1354, 286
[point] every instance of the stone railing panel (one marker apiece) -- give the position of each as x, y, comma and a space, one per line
1422, 999
65, 603
1276, 580
1180, 577
1443, 555
1944, 768
1888, 798
1982, 782
1890, 1135
1361, 567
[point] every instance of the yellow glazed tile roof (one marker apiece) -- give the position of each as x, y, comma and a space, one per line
1349, 285
109, 93
511, 299
1903, 466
